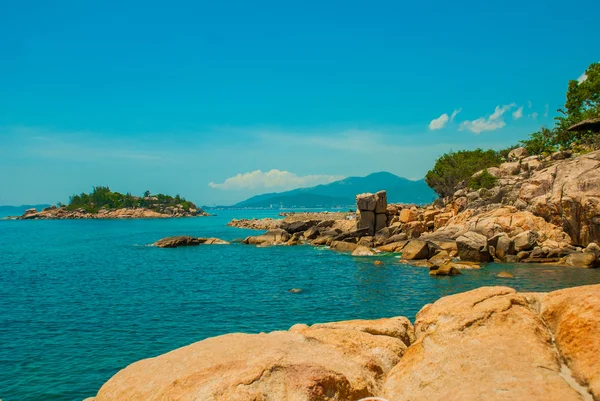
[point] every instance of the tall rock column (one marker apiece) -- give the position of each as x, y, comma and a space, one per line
371, 211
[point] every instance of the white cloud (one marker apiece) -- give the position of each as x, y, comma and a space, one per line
582, 78
534, 115
274, 179
529, 104
547, 111
518, 113
454, 114
490, 123
439, 122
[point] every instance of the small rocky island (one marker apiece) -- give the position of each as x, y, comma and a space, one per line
102, 203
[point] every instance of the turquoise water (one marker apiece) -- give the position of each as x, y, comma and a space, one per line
80, 300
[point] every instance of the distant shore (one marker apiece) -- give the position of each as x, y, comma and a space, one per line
63, 213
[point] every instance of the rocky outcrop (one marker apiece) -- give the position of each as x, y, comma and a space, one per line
62, 213
256, 224
275, 236
489, 343
186, 240
371, 212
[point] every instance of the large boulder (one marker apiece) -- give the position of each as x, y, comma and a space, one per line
483, 344
380, 222
271, 237
326, 362
415, 249
504, 247
299, 226
366, 202
343, 246
526, 241
363, 251
381, 202
573, 315
366, 220
581, 259
472, 247
177, 241
518, 154
407, 215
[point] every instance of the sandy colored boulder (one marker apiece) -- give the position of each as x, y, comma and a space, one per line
341, 361
366, 202
177, 241
363, 251
573, 315
581, 259
393, 247
407, 215
447, 269
472, 247
342, 246
274, 237
215, 241
525, 241
366, 220
381, 202
485, 344
380, 221
415, 249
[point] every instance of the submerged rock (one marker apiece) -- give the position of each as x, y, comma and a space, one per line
177, 241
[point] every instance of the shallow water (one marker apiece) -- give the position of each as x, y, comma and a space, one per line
80, 300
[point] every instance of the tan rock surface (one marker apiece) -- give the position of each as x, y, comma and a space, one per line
339, 361
485, 344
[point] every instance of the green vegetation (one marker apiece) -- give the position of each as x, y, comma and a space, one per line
482, 180
454, 167
103, 197
582, 102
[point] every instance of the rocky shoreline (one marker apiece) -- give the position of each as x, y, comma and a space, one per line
489, 343
540, 211
62, 213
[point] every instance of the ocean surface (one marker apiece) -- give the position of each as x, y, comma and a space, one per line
80, 300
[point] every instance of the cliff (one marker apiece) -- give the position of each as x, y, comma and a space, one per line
491, 343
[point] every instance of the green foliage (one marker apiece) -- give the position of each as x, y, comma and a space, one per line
503, 153
482, 180
540, 142
454, 167
103, 197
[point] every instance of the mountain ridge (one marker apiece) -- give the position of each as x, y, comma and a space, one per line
343, 192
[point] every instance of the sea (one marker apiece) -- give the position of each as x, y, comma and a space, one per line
82, 299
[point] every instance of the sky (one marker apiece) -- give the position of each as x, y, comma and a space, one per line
218, 101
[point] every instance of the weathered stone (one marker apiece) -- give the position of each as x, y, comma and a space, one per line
380, 221
396, 238
440, 259
366, 202
407, 216
415, 249
518, 154
581, 259
393, 246
381, 202
343, 246
504, 275
299, 226
177, 241
311, 233
275, 236
215, 241
363, 251
366, 220
459, 339
366, 242
526, 241
472, 247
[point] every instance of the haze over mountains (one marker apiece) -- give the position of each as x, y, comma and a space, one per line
343, 193
18, 210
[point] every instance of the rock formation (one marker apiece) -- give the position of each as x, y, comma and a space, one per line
371, 212
186, 240
62, 213
489, 343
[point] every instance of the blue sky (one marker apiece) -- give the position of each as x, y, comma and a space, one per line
172, 97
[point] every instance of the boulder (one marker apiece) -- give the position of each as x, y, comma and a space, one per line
472, 247
483, 344
415, 249
366, 220
380, 221
414, 229
447, 269
573, 315
177, 241
298, 226
504, 275
366, 202
327, 362
311, 233
363, 251
381, 202
215, 241
518, 154
581, 259
440, 259
510, 168
407, 215
366, 241
396, 238
273, 237
342, 246
504, 247
393, 246
526, 241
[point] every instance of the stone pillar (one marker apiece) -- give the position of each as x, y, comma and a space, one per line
371, 211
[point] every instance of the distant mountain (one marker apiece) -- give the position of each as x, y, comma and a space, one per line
343, 193
18, 210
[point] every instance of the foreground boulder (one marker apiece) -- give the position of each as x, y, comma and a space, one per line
275, 236
491, 343
325, 362
472, 247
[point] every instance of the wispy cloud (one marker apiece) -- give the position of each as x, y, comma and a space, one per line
281, 180
529, 104
490, 123
534, 115
439, 123
547, 110
582, 78
518, 113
